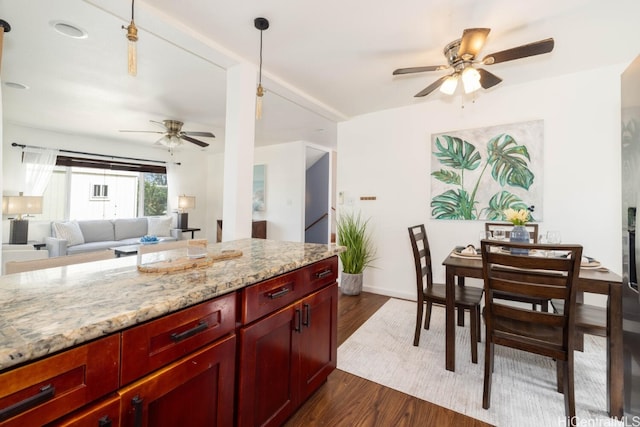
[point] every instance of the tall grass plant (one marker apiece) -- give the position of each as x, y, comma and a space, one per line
354, 234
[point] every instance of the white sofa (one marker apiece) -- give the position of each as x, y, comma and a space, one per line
75, 237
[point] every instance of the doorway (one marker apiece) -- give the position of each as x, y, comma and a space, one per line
317, 211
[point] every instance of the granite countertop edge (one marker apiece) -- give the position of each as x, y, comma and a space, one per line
19, 344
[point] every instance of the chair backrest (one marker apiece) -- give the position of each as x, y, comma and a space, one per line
530, 275
421, 257
60, 261
531, 227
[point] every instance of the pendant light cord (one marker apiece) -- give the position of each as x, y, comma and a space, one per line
260, 69
132, 1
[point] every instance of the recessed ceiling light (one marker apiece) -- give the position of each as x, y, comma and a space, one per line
15, 85
69, 30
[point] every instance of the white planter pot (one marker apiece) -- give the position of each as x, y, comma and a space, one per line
351, 284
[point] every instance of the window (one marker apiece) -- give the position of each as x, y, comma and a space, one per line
111, 191
100, 191
155, 194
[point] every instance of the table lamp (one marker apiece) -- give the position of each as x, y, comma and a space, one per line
185, 202
20, 205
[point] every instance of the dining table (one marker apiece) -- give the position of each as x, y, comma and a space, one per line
598, 281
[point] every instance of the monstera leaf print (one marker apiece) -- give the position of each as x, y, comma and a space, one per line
508, 164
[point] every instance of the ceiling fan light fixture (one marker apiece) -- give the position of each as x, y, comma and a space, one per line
170, 141
449, 86
470, 79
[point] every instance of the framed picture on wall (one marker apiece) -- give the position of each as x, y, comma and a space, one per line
478, 173
259, 176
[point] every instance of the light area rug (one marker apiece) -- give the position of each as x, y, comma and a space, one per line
524, 385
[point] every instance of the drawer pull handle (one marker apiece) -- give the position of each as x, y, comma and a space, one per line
307, 315
324, 273
298, 321
282, 292
105, 422
46, 392
190, 332
137, 409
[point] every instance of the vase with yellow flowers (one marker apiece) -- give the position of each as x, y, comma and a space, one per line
519, 233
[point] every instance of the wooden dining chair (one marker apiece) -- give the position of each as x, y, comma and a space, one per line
429, 293
59, 261
589, 320
545, 333
533, 233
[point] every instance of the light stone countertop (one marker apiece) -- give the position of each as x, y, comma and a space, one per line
45, 311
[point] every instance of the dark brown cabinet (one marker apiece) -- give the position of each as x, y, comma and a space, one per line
286, 355
197, 390
249, 357
318, 340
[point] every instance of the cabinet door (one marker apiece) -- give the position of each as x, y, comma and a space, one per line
195, 391
269, 369
318, 349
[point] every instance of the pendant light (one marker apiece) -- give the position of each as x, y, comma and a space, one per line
261, 24
4, 28
132, 36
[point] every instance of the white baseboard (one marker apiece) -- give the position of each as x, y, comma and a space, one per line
390, 293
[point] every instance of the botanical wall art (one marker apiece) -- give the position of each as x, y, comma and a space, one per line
478, 173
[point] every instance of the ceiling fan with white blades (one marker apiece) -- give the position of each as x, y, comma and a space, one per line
461, 57
173, 134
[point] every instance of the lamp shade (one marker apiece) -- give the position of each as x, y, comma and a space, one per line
470, 79
21, 205
186, 202
448, 87
170, 141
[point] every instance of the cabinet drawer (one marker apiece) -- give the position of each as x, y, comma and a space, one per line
152, 345
320, 273
45, 390
271, 295
105, 413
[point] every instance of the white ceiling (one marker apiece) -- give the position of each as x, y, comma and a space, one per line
323, 61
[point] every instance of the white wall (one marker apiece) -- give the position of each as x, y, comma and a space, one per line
215, 187
284, 192
187, 179
387, 154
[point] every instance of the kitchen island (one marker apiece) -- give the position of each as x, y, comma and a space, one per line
145, 327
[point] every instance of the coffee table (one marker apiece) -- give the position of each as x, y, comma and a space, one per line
125, 250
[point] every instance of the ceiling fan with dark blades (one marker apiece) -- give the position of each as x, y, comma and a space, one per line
461, 56
173, 134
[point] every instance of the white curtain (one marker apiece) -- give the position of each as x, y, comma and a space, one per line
172, 185
39, 167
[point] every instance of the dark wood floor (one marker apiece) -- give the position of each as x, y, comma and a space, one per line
348, 400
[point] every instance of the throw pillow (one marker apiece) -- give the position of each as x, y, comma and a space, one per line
69, 231
159, 226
